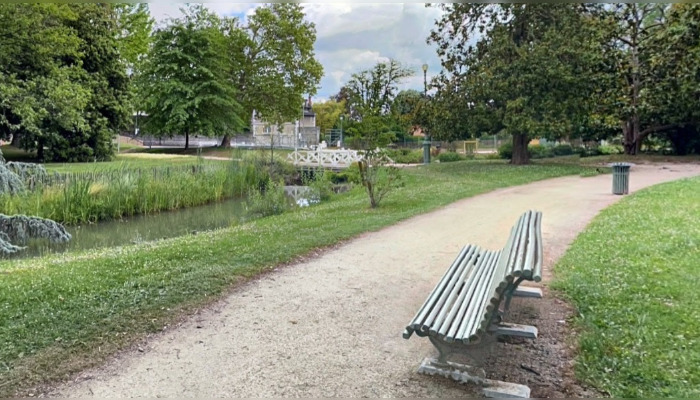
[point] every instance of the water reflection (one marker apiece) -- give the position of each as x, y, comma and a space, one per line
143, 228
146, 228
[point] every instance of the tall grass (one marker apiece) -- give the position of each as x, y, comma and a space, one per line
91, 197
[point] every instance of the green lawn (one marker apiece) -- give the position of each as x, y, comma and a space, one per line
634, 276
63, 313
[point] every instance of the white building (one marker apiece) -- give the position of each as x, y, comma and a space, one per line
300, 133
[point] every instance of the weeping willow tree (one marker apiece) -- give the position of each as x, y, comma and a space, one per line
15, 230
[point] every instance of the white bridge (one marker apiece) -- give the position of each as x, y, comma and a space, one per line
324, 158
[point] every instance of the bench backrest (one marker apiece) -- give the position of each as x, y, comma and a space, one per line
465, 301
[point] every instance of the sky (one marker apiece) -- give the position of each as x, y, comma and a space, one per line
354, 36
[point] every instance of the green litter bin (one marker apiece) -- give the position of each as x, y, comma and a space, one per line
621, 178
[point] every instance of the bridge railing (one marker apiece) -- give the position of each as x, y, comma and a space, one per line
325, 158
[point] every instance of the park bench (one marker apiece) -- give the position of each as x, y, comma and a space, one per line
472, 299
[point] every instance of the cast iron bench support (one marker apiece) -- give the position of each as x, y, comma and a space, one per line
473, 297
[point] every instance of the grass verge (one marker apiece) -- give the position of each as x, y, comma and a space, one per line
62, 313
633, 276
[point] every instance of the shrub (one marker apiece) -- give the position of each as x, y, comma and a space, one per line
378, 179
506, 150
563, 150
610, 149
539, 151
450, 157
321, 184
406, 156
271, 200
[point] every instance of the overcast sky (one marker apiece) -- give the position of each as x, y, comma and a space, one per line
354, 36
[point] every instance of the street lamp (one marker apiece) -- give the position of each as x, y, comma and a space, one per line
426, 141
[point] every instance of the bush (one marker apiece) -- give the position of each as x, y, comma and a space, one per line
610, 149
271, 200
406, 156
506, 150
539, 151
563, 150
450, 157
321, 184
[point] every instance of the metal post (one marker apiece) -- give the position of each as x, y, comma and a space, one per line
342, 117
426, 142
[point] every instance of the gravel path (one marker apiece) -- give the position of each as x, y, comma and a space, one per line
331, 326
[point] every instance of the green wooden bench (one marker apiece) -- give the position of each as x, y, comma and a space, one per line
472, 299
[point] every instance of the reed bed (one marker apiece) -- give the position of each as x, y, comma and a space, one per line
85, 197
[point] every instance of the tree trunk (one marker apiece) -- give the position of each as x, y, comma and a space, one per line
15, 139
40, 150
631, 140
520, 154
226, 141
187, 140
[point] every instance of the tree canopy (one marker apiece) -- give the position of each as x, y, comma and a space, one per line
371, 92
185, 82
528, 71
272, 61
62, 84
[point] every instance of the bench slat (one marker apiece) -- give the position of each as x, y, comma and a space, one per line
459, 311
479, 300
514, 268
537, 269
429, 303
446, 316
441, 303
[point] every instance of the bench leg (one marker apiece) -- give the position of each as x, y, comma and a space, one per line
446, 349
468, 374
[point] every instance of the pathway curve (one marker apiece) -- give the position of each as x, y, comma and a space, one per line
331, 326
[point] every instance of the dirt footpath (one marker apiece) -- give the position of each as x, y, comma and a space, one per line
331, 326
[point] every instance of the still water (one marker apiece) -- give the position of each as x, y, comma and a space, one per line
143, 228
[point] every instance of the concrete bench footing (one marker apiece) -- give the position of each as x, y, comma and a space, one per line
525, 291
504, 329
468, 374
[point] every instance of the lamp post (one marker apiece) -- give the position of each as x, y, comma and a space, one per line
342, 117
426, 141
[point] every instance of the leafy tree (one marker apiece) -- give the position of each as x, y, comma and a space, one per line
530, 72
633, 26
63, 85
675, 65
40, 72
134, 28
371, 92
404, 109
107, 111
186, 81
273, 62
328, 114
